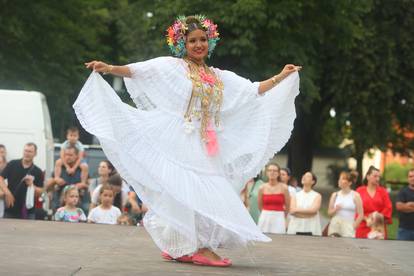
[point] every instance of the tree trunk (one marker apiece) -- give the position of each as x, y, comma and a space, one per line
300, 147
359, 156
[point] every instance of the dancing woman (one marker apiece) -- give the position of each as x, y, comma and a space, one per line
197, 135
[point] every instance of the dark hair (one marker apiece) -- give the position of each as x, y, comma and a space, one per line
106, 187
110, 166
70, 147
287, 170
410, 170
314, 178
193, 24
31, 144
371, 169
289, 173
2, 146
116, 180
72, 129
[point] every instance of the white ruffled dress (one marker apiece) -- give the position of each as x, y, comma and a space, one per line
193, 198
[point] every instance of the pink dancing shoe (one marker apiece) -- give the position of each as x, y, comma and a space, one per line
199, 259
182, 259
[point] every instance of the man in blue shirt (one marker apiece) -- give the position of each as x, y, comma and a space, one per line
405, 206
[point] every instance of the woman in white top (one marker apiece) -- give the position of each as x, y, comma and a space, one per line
304, 209
343, 206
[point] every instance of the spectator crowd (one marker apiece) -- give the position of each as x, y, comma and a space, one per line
280, 205
283, 206
68, 194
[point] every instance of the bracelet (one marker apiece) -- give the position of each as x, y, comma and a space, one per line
109, 69
274, 80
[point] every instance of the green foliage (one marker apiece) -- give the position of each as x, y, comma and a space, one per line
44, 45
395, 175
369, 89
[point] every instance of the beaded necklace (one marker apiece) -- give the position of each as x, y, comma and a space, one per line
206, 98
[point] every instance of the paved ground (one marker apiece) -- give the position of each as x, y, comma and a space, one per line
52, 248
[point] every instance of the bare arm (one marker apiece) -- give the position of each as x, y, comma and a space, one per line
313, 210
9, 198
260, 198
287, 198
331, 209
292, 207
134, 204
62, 155
359, 209
77, 163
268, 84
405, 207
102, 67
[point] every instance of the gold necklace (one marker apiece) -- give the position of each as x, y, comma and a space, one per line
206, 97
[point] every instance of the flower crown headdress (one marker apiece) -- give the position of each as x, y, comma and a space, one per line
176, 34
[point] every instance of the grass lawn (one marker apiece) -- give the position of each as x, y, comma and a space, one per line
393, 228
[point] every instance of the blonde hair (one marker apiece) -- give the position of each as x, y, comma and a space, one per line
66, 192
376, 221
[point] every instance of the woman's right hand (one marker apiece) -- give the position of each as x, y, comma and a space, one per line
97, 66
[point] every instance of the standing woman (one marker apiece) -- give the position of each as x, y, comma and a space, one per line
197, 135
304, 209
374, 198
273, 201
345, 207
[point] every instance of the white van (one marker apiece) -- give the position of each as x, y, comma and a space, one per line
24, 117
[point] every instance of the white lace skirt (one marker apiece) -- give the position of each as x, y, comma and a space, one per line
272, 222
192, 203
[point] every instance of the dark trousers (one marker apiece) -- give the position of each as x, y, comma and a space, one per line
29, 215
405, 234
